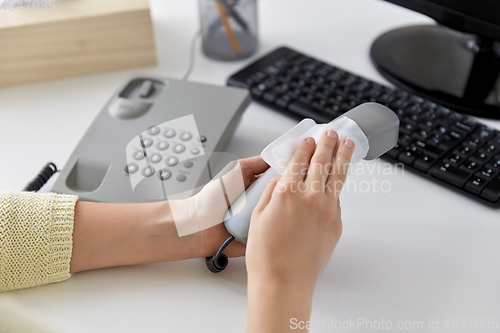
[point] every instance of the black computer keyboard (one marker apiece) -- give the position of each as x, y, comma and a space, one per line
434, 141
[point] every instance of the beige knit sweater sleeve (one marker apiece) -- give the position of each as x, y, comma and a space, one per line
36, 238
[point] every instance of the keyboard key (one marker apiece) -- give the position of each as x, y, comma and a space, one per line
475, 142
270, 96
259, 90
455, 116
306, 75
476, 185
272, 70
497, 138
294, 93
436, 140
307, 98
488, 173
455, 159
395, 152
424, 163
443, 112
258, 77
414, 108
471, 166
458, 130
454, 139
404, 139
490, 149
465, 151
494, 164
429, 105
408, 157
398, 104
421, 135
319, 105
248, 83
442, 129
463, 126
492, 191
285, 77
481, 158
416, 99
452, 174
484, 133
407, 128
333, 110
283, 101
429, 150
282, 88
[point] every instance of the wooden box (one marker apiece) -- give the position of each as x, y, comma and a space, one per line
73, 37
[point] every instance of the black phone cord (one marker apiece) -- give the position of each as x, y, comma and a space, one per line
219, 261
42, 178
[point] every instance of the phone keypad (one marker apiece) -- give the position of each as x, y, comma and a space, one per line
170, 152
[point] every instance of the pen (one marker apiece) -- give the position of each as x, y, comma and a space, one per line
230, 11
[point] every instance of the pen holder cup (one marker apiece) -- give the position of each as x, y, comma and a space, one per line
229, 28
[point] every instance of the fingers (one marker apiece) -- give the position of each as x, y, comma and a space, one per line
340, 166
321, 162
252, 167
246, 168
267, 194
238, 175
296, 169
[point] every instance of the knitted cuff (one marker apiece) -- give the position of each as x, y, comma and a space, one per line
36, 238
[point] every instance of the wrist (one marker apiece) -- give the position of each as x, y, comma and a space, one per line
166, 245
180, 217
282, 287
273, 303
285, 278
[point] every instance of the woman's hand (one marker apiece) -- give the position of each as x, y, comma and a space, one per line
294, 230
108, 235
210, 211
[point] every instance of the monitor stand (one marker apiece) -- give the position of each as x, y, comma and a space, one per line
456, 70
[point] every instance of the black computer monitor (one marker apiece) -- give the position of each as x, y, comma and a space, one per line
455, 63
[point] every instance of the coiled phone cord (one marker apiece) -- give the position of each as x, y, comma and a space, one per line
42, 178
219, 261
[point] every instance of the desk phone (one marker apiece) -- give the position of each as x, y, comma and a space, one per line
153, 138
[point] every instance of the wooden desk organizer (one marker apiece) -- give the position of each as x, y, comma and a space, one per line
76, 37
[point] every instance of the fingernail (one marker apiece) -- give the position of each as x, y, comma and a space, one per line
349, 143
331, 134
310, 141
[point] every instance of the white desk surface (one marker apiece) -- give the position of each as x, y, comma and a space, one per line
418, 251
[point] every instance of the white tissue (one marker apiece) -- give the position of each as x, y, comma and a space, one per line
278, 153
